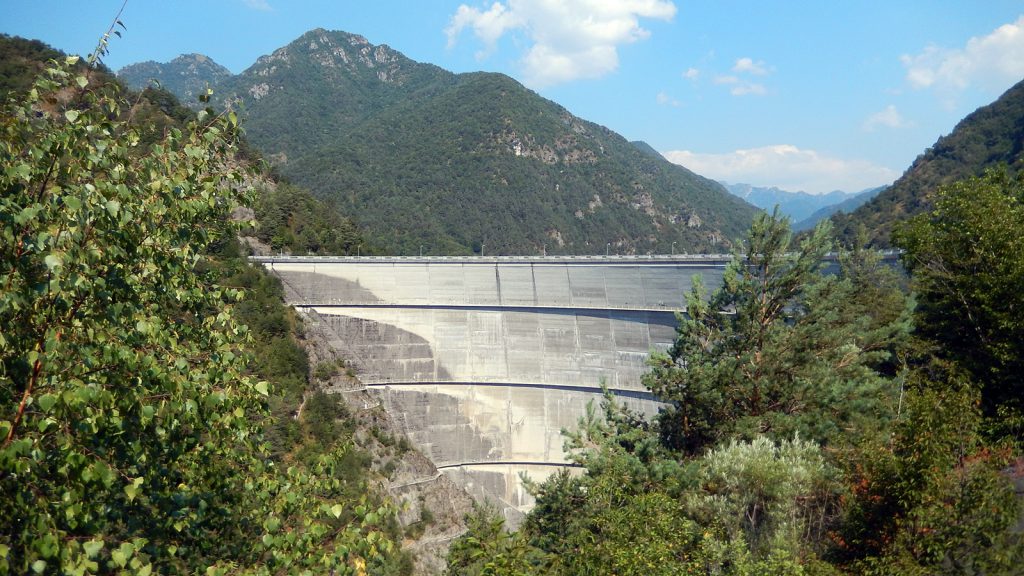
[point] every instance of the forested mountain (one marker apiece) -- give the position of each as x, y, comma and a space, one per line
796, 205
187, 76
989, 136
20, 61
466, 163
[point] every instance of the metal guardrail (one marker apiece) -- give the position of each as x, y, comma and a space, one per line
463, 305
612, 259
582, 259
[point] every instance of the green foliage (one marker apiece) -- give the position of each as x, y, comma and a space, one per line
967, 259
782, 348
772, 498
291, 220
746, 508
935, 499
488, 550
21, 61
130, 436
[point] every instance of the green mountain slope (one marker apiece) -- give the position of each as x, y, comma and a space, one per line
991, 135
20, 61
466, 163
187, 76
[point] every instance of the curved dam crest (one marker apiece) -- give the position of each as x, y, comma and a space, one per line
484, 361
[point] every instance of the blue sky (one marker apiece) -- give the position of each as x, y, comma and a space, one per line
810, 96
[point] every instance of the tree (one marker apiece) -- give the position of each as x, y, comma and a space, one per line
967, 260
935, 497
766, 499
487, 549
129, 437
782, 347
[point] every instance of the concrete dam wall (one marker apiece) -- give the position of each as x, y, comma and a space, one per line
483, 361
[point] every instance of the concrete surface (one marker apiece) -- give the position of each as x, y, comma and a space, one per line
484, 361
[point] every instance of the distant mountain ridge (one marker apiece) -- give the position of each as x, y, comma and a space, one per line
849, 205
465, 163
187, 76
992, 135
797, 205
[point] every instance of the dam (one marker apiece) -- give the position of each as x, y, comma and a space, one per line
483, 361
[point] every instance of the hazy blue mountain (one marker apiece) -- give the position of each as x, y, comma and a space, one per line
423, 157
849, 205
796, 205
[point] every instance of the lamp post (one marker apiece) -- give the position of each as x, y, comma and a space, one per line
482, 246
607, 249
421, 250
673, 248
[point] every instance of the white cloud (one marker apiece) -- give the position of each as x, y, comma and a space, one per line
787, 167
748, 88
691, 74
741, 87
739, 83
665, 99
747, 65
261, 5
890, 117
567, 40
991, 61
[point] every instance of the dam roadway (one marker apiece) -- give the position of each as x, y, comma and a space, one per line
482, 361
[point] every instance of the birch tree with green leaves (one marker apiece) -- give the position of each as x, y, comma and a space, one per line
130, 436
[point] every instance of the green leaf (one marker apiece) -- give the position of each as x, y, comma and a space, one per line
132, 490
92, 547
46, 401
52, 261
119, 558
261, 387
82, 81
71, 115
337, 509
112, 207
21, 171
39, 566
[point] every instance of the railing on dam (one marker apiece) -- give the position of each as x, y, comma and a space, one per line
613, 259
